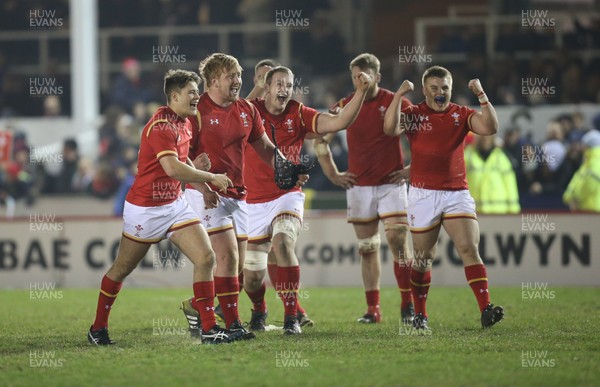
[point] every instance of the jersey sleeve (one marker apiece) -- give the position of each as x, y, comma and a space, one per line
258, 129
469, 113
308, 119
162, 138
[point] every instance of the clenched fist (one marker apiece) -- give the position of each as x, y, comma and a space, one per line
475, 86
405, 87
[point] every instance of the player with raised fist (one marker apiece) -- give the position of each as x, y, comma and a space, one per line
438, 196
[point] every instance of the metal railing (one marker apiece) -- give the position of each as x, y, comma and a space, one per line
491, 24
164, 34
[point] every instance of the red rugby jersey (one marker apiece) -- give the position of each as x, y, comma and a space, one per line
437, 146
291, 126
165, 134
372, 155
223, 132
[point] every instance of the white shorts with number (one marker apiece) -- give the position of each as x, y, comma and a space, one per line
261, 215
427, 208
152, 224
369, 203
229, 214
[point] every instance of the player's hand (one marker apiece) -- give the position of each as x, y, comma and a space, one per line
364, 82
475, 86
406, 87
202, 162
260, 81
221, 181
302, 179
345, 179
399, 176
211, 199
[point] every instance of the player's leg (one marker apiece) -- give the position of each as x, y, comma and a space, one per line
424, 218
193, 241
392, 203
129, 256
255, 270
286, 229
396, 233
462, 227
362, 213
369, 242
242, 248
424, 246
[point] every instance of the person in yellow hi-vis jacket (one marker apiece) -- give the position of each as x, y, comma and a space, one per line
583, 192
491, 177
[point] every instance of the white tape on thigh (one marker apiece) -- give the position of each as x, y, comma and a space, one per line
255, 260
287, 226
395, 226
369, 245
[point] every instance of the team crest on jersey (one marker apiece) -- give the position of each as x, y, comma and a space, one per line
244, 116
214, 121
138, 230
382, 110
289, 123
456, 116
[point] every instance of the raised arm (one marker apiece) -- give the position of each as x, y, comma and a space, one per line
484, 122
392, 120
328, 123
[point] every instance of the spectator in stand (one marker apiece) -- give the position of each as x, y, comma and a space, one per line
492, 180
129, 87
578, 128
70, 163
583, 192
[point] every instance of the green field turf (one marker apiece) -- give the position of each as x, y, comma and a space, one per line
549, 341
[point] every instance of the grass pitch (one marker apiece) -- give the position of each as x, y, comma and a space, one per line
552, 339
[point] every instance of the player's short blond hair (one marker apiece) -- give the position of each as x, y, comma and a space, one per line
278, 69
216, 64
366, 61
436, 72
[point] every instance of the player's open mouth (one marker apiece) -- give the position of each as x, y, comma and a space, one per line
440, 100
234, 90
282, 98
194, 105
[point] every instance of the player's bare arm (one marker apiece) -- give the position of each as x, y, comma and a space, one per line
258, 91
341, 179
392, 123
484, 122
328, 123
177, 170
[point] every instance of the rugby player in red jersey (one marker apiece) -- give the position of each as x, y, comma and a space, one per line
224, 126
375, 189
155, 208
439, 195
275, 215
